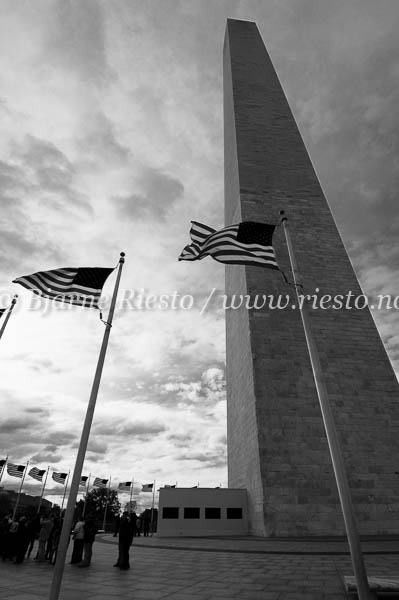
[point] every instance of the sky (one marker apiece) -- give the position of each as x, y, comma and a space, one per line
111, 116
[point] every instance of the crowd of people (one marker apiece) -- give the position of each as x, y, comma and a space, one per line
18, 535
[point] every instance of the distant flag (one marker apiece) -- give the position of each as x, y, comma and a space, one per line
37, 473
59, 477
126, 486
147, 487
80, 286
247, 243
15, 470
98, 482
83, 480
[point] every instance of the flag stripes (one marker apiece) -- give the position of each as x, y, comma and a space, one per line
79, 286
147, 487
37, 473
246, 243
15, 470
125, 486
98, 482
59, 477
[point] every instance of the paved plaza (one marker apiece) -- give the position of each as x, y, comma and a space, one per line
204, 569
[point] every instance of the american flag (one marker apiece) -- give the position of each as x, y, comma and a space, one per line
37, 473
60, 477
125, 486
83, 480
98, 482
147, 487
80, 286
15, 470
247, 243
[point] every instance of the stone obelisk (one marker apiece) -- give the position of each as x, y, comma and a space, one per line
277, 447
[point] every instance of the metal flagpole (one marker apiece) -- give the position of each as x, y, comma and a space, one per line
41, 496
87, 492
77, 473
106, 504
65, 490
3, 468
13, 303
131, 497
331, 433
152, 508
19, 493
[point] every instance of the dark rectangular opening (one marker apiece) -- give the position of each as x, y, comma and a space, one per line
212, 513
234, 513
191, 512
170, 512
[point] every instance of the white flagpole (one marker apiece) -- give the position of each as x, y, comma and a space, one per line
3, 468
41, 496
13, 303
20, 489
331, 433
65, 490
131, 496
152, 508
106, 504
77, 473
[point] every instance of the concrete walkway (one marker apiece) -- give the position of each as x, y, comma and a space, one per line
204, 569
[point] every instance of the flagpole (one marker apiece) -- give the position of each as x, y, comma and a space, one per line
87, 493
44, 485
3, 468
13, 303
106, 504
19, 493
77, 473
331, 433
152, 507
65, 490
131, 496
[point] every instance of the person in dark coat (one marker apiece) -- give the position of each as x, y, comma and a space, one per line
22, 540
90, 530
33, 532
126, 534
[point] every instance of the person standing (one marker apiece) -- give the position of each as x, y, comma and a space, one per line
46, 525
90, 530
126, 534
77, 535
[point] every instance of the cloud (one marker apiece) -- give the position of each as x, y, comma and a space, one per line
123, 429
76, 41
99, 144
46, 457
157, 192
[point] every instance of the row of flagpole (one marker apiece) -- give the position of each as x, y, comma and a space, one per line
232, 245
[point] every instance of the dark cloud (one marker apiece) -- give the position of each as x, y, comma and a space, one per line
46, 457
15, 424
156, 194
59, 438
